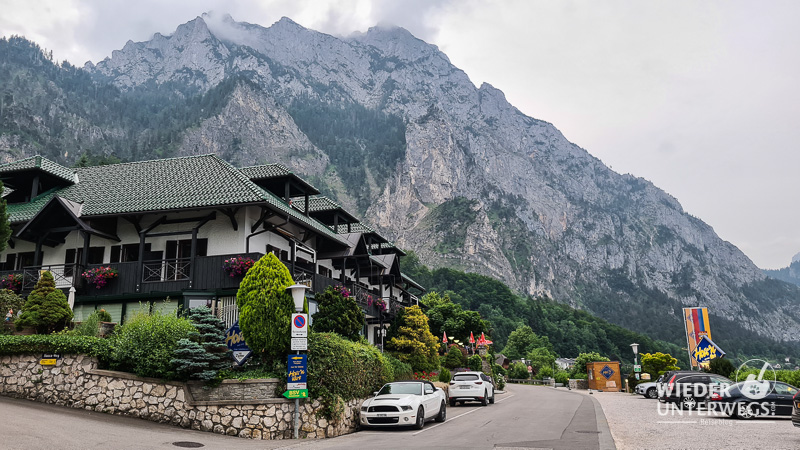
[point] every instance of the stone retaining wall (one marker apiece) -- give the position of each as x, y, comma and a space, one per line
578, 384
76, 382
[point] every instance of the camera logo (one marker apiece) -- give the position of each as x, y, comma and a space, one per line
756, 387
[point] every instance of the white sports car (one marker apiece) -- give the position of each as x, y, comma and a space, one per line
405, 403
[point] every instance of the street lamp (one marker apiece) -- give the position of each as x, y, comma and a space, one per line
298, 292
635, 348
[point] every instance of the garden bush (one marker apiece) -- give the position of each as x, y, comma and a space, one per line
54, 343
340, 370
338, 313
561, 376
455, 358
474, 363
265, 308
413, 342
9, 300
146, 343
400, 370
444, 375
518, 370
500, 382
204, 353
46, 307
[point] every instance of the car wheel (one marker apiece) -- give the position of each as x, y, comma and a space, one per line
484, 401
688, 402
442, 416
744, 411
491, 399
652, 393
420, 419
452, 403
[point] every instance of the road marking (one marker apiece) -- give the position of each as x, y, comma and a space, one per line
477, 408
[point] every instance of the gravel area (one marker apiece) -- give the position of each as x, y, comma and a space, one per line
639, 423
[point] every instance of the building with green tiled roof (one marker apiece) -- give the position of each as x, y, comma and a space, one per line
168, 226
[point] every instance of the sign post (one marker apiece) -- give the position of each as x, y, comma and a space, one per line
296, 384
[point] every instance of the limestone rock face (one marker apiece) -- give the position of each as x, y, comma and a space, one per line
546, 217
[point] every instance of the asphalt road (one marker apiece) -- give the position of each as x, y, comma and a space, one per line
523, 417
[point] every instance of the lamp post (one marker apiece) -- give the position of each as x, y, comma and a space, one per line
298, 292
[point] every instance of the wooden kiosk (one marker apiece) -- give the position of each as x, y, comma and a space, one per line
604, 376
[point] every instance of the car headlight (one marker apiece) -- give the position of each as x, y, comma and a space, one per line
363, 409
406, 408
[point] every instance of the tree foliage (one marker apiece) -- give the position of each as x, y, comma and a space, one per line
414, 344
522, 341
204, 353
265, 308
46, 307
338, 314
657, 363
722, 366
579, 369
541, 358
518, 371
444, 316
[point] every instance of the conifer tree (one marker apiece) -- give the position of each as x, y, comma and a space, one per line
204, 353
265, 308
46, 308
414, 344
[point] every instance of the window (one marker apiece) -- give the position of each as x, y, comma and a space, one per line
126, 252
283, 255
183, 248
324, 271
784, 389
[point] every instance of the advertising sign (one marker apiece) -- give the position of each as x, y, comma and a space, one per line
299, 325
297, 370
706, 350
296, 393
696, 320
234, 339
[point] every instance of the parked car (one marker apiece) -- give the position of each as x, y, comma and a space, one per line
649, 389
735, 403
404, 403
691, 389
796, 410
471, 386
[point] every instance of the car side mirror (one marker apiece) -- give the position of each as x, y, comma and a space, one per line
375, 394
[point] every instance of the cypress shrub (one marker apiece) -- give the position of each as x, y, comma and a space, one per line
46, 308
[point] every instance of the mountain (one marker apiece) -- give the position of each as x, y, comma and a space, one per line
790, 274
384, 123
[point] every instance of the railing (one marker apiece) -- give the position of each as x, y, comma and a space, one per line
167, 270
64, 275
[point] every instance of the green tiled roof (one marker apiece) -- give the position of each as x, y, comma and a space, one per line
38, 162
359, 227
315, 204
265, 171
163, 185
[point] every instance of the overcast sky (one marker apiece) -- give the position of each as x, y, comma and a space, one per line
699, 97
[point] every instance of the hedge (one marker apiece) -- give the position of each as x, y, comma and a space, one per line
400, 370
340, 370
54, 343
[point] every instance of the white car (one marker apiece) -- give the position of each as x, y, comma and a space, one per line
471, 386
649, 389
404, 403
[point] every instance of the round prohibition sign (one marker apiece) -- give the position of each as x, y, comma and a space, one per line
299, 322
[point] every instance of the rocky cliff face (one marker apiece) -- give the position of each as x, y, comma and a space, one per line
478, 185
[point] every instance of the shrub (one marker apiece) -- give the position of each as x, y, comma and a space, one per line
414, 343
10, 301
204, 353
722, 366
579, 369
500, 382
455, 358
658, 363
46, 308
518, 370
89, 327
338, 313
103, 315
146, 344
54, 343
265, 308
544, 372
475, 363
400, 370
444, 375
561, 376
340, 370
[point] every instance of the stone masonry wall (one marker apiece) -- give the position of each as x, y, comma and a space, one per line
76, 382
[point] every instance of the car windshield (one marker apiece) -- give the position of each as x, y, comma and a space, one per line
465, 377
401, 388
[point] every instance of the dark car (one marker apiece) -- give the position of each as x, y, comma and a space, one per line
796, 410
691, 389
735, 402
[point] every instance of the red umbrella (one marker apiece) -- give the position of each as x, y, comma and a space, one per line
444, 337
471, 338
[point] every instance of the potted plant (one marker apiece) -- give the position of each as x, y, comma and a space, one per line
238, 266
99, 276
379, 303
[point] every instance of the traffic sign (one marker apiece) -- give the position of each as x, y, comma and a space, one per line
299, 325
296, 393
637, 368
300, 343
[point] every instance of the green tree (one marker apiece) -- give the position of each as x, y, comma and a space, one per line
724, 367
475, 363
657, 363
446, 316
265, 308
523, 340
338, 313
414, 344
580, 363
518, 371
455, 358
46, 308
540, 358
204, 353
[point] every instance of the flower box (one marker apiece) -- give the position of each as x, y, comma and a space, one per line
238, 266
99, 276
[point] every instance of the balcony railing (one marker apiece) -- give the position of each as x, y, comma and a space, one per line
166, 270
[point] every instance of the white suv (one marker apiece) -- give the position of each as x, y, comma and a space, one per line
471, 386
